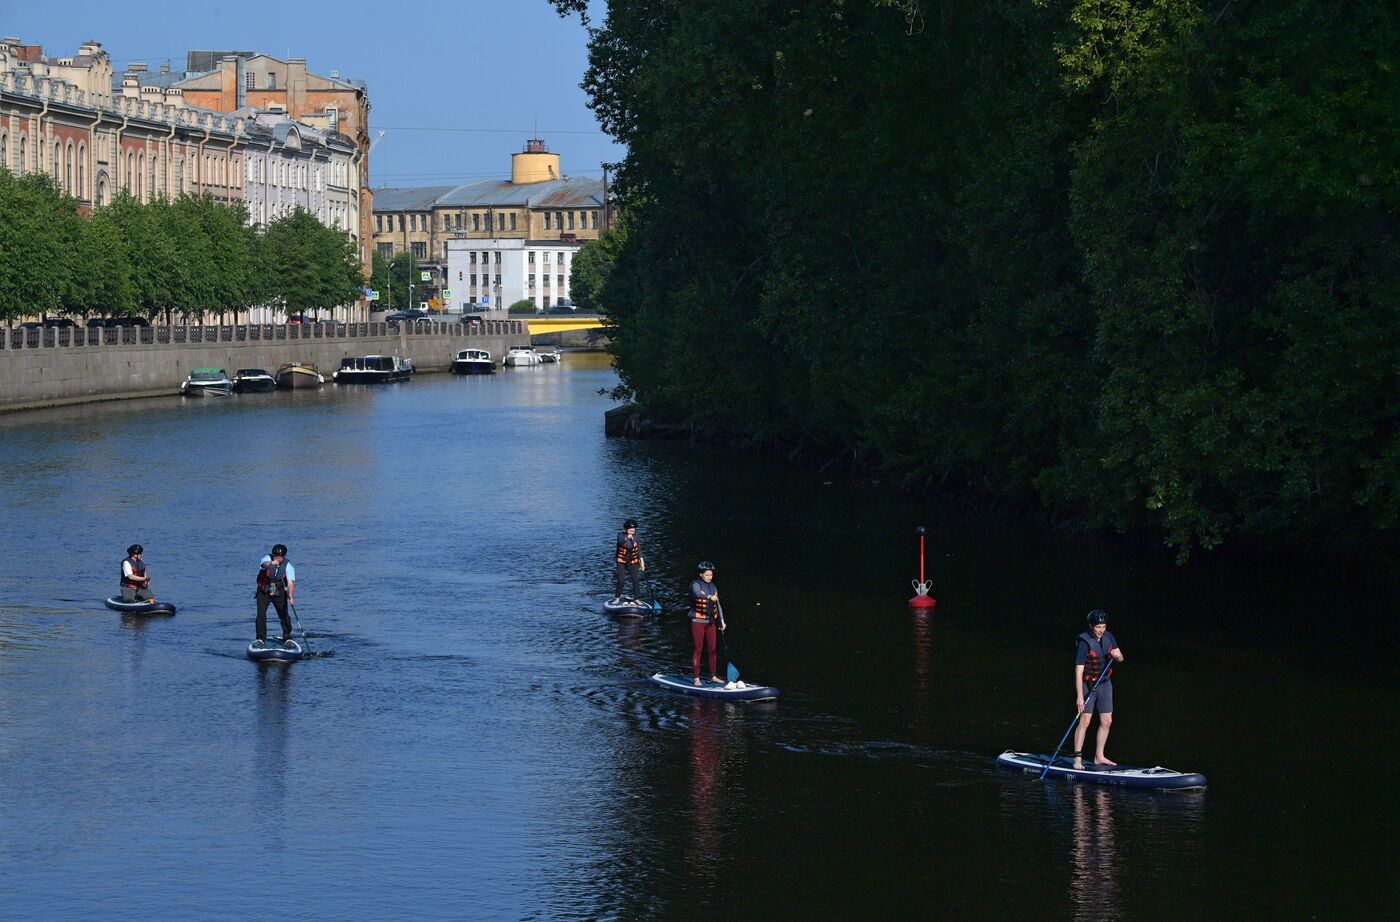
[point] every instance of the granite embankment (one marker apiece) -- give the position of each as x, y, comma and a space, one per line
56, 366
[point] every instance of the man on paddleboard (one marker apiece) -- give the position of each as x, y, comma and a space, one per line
1093, 652
136, 585
277, 581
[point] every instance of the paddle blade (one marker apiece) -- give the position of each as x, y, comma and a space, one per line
733, 673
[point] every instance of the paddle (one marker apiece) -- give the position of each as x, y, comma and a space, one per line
1087, 699
733, 670
651, 587
306, 642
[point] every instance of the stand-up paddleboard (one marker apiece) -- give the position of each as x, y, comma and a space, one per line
731, 691
287, 651
1162, 779
628, 608
140, 608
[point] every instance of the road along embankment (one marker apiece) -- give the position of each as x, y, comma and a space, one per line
57, 366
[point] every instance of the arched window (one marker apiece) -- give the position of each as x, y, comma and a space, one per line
129, 179
82, 171
179, 175
141, 176
56, 164
23, 153
68, 170
101, 190
4, 151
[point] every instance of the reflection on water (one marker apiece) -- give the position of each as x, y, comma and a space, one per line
485, 743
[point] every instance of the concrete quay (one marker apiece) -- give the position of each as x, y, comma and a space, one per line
51, 367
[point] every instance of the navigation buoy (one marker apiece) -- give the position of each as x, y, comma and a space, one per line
922, 601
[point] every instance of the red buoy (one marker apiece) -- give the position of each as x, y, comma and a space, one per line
922, 601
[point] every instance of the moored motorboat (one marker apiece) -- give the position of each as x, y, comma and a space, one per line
372, 369
152, 607
286, 651
253, 380
551, 358
731, 691
207, 381
473, 362
298, 375
521, 356
1157, 777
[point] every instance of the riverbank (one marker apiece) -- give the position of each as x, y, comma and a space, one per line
43, 368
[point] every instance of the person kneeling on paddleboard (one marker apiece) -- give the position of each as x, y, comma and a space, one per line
704, 617
629, 561
277, 580
1095, 647
136, 585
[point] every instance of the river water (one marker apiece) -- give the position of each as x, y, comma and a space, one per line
484, 744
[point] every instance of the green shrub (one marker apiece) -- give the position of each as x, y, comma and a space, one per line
523, 306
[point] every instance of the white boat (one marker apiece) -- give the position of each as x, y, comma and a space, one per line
473, 362
551, 358
522, 355
207, 381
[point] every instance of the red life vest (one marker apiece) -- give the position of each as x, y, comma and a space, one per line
1093, 662
629, 551
138, 569
272, 578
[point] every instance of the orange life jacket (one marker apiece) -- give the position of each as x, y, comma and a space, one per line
629, 551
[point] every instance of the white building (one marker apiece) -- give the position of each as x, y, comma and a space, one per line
495, 274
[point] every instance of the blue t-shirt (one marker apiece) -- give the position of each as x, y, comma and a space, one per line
1101, 649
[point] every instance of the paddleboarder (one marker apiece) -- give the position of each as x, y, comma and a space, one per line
1094, 648
136, 585
629, 561
704, 618
277, 580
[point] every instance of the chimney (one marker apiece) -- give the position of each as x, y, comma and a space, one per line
165, 68
136, 68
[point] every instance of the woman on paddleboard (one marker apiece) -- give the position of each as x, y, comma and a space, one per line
704, 618
1095, 647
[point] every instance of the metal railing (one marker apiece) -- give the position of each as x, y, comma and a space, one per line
64, 337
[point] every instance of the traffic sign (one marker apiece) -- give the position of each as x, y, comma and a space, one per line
426, 276
485, 299
446, 293
371, 294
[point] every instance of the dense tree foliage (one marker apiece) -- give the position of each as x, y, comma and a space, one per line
1131, 260
402, 272
189, 257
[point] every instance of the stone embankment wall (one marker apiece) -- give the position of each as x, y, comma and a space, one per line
53, 366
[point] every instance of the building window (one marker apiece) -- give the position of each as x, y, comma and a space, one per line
546, 221
471, 257
559, 281
546, 280
546, 298
4, 152
532, 281
386, 250
400, 223
571, 220
420, 250
378, 229
248, 81
546, 259
272, 81
23, 151
559, 219
473, 279
593, 219
413, 222
476, 222
512, 220
498, 258
561, 259
498, 281
500, 222
532, 257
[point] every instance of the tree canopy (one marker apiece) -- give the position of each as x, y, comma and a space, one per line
1130, 262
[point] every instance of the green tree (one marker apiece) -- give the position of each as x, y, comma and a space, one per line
39, 226
392, 279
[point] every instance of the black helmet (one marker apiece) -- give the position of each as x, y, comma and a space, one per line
1098, 616
704, 565
630, 523
278, 550
134, 550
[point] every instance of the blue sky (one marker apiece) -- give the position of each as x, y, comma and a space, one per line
496, 68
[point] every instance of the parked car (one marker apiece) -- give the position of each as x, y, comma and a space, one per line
400, 316
51, 323
111, 322
560, 309
299, 318
473, 318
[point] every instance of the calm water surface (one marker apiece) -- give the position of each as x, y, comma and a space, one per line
484, 744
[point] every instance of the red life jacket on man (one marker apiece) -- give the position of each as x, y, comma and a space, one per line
628, 550
138, 569
1098, 656
272, 578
